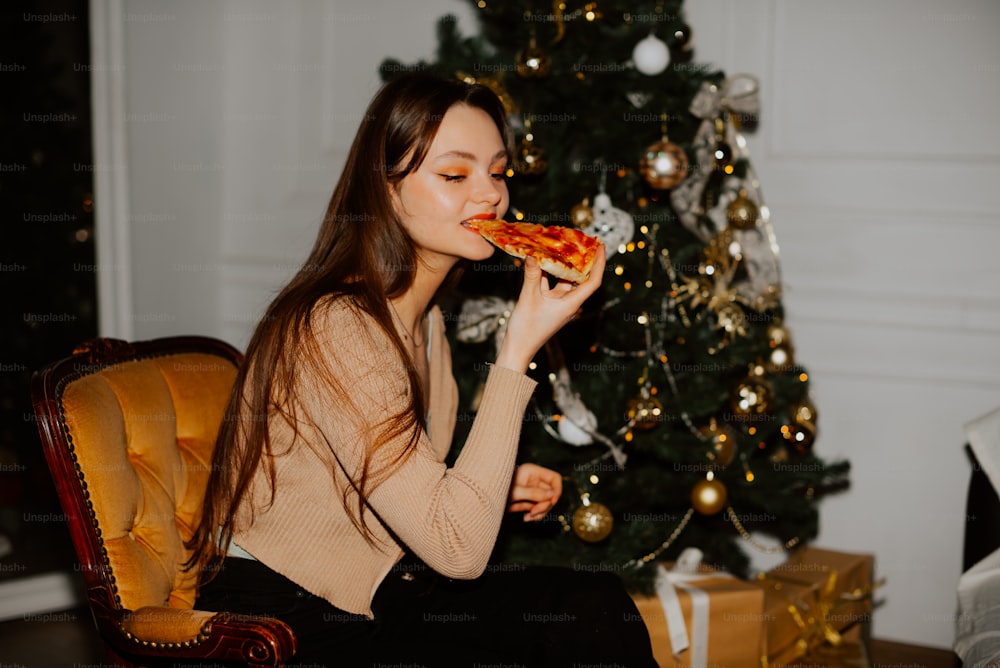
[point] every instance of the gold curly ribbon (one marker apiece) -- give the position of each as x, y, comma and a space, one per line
815, 622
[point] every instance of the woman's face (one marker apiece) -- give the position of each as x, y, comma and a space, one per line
461, 178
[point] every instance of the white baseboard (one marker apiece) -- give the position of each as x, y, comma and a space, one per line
30, 597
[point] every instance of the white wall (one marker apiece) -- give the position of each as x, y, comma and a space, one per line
174, 87
236, 117
298, 87
877, 157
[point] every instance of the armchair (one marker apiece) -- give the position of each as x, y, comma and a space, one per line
128, 431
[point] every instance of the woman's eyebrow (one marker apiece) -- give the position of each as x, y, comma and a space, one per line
456, 153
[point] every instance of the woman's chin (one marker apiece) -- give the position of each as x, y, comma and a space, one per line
482, 251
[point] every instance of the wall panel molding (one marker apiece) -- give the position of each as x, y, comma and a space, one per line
112, 218
901, 86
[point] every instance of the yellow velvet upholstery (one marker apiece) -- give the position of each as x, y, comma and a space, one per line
143, 433
128, 430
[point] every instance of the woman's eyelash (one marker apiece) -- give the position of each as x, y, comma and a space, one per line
459, 177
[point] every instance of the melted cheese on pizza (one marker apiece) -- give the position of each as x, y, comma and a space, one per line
565, 252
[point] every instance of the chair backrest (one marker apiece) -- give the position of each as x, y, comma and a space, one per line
128, 431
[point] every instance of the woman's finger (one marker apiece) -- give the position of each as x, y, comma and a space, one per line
532, 493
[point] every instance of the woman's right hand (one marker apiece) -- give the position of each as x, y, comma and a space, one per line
541, 311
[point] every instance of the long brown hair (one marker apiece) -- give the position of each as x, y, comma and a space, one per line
363, 254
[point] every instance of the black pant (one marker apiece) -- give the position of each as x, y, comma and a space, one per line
511, 616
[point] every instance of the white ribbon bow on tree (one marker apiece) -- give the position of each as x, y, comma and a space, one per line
737, 98
481, 317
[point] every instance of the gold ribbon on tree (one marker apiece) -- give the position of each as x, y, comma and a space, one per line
715, 289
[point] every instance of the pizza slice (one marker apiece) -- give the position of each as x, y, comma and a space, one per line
564, 252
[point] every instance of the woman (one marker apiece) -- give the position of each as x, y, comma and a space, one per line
330, 505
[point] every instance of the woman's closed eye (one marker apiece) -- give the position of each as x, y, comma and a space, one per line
452, 177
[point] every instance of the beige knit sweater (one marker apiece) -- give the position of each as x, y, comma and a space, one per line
449, 517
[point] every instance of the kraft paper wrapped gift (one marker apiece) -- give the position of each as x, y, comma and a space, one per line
811, 599
852, 652
701, 618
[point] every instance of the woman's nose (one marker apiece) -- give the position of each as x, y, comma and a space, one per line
489, 190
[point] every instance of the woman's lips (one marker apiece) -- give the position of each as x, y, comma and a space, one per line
470, 222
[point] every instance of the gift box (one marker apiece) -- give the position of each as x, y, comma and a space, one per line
700, 617
811, 599
851, 652
816, 604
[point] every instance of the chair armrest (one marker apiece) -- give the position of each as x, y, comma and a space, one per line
221, 636
165, 625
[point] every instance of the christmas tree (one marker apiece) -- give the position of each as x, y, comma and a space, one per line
674, 405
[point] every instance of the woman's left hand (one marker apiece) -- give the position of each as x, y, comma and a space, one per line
536, 490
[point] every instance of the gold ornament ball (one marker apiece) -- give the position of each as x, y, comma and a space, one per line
750, 397
664, 165
742, 213
530, 159
533, 62
646, 412
801, 430
731, 319
593, 522
582, 215
722, 441
708, 496
801, 435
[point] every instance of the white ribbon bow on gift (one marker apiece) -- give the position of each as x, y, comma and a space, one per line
682, 576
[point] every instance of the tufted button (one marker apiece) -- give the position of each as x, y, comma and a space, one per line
299, 593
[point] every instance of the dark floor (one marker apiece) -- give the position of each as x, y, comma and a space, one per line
68, 640
65, 639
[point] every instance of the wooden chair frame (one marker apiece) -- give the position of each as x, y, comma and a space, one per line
225, 637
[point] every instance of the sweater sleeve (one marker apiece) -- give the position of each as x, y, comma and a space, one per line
449, 517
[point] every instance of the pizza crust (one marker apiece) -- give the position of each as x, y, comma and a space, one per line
563, 271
